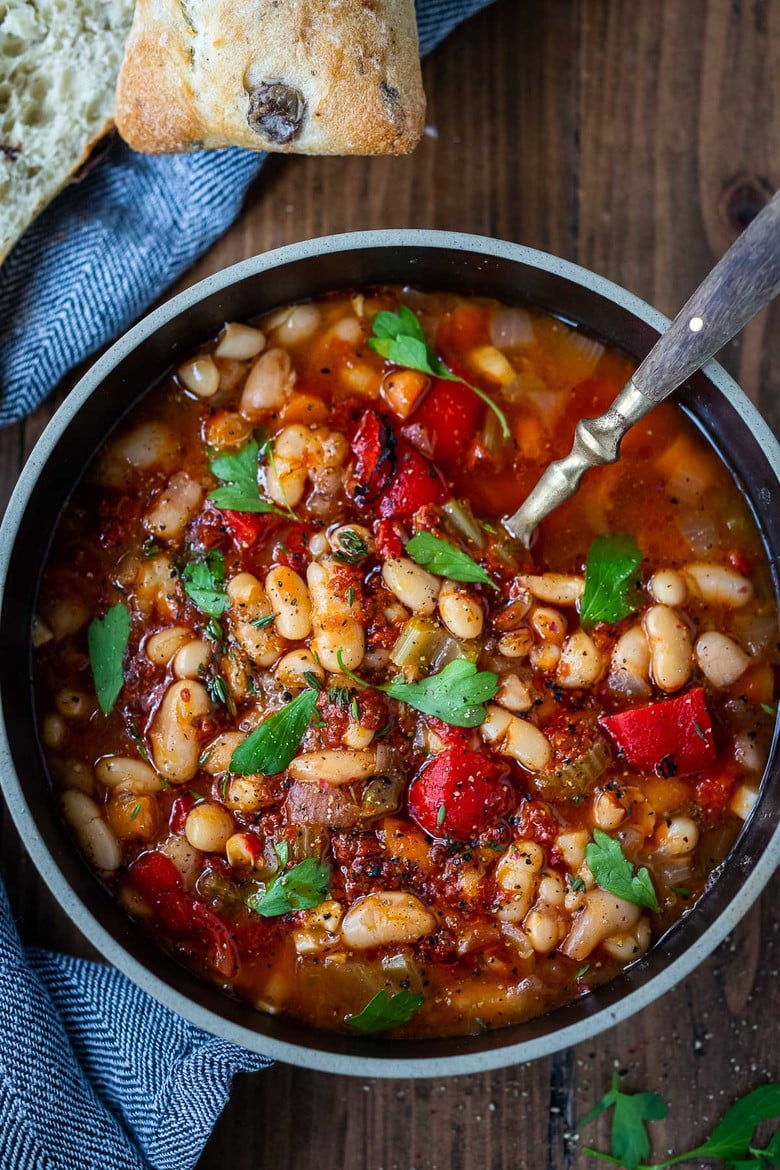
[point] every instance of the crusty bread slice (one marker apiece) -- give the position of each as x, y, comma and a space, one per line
59, 61
305, 76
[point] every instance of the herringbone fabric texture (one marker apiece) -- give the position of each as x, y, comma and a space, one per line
112, 244
95, 1075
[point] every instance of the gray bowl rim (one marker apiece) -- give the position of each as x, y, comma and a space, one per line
75, 908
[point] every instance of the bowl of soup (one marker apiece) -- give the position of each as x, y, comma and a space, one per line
310, 747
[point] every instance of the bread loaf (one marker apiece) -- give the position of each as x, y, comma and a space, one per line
59, 61
305, 76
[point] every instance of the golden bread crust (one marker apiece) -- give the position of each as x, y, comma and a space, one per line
302, 76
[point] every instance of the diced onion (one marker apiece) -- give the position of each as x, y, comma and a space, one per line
510, 327
699, 532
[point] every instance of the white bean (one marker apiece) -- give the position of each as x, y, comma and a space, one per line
460, 610
516, 644
381, 919
290, 601
670, 647
321, 928
608, 811
677, 837
630, 665
516, 875
249, 793
291, 669
94, 836
175, 747
239, 342
217, 755
65, 617
126, 774
157, 588
580, 663
200, 375
267, 385
668, 587
512, 736
545, 929
514, 694
410, 583
572, 845
161, 647
630, 946
602, 915
332, 766
174, 507
299, 324
208, 827
72, 704
41, 632
337, 633
192, 660
720, 658
54, 731
555, 588
549, 624
718, 585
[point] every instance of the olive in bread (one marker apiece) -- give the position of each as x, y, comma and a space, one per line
303, 76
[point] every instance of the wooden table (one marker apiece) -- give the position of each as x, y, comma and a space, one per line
635, 138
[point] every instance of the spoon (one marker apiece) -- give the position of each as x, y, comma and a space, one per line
743, 281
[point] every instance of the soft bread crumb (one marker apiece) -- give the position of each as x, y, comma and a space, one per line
59, 61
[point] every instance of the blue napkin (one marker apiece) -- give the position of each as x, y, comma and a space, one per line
95, 1075
112, 244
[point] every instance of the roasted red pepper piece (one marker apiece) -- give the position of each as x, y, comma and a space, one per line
246, 528
387, 540
673, 737
459, 794
292, 548
450, 414
416, 483
158, 880
374, 446
180, 810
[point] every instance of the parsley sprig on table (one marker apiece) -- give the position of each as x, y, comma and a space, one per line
615, 873
399, 338
442, 558
730, 1141
456, 695
107, 639
610, 579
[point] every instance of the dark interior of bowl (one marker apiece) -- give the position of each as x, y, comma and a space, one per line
427, 267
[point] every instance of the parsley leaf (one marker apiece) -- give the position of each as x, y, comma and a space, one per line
455, 695
204, 583
729, 1141
615, 873
630, 1143
271, 746
300, 888
610, 573
107, 640
399, 338
238, 473
445, 560
387, 1011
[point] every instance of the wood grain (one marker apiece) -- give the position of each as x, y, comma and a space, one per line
635, 138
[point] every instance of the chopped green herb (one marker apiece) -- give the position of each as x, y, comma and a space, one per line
238, 473
445, 560
615, 873
299, 888
150, 548
271, 746
223, 787
441, 814
576, 884
196, 796
107, 639
680, 891
204, 583
204, 756
263, 622
630, 1143
135, 733
387, 1011
339, 696
354, 709
399, 338
456, 694
219, 692
135, 812
313, 680
610, 579
214, 630
350, 597
282, 851
767, 709
730, 1141
352, 547
582, 972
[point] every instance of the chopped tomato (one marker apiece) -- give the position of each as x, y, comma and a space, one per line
292, 548
246, 528
450, 414
673, 737
459, 794
374, 446
713, 790
180, 810
536, 822
387, 539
